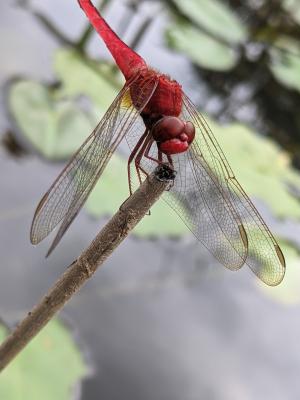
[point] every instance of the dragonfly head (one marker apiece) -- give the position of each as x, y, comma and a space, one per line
173, 135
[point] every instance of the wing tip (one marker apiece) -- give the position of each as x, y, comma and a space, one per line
33, 239
53, 245
281, 259
280, 273
280, 256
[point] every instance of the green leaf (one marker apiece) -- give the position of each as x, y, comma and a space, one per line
53, 120
80, 76
261, 167
215, 17
55, 128
112, 191
201, 48
48, 368
293, 8
285, 62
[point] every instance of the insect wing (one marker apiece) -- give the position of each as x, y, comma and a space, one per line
200, 202
265, 257
70, 190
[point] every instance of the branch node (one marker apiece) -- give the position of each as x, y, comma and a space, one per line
87, 266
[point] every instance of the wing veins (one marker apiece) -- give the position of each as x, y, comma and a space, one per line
83, 187
263, 245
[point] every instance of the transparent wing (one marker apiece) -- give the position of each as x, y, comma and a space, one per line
210, 201
265, 257
200, 202
70, 190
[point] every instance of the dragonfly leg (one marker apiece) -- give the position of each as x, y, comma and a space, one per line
145, 148
132, 156
159, 159
146, 154
159, 154
170, 161
147, 144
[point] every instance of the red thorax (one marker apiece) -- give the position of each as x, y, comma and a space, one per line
166, 100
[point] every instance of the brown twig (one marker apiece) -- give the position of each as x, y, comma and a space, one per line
114, 232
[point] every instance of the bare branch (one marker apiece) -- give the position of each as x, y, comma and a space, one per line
107, 240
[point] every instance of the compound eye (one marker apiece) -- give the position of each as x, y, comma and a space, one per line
174, 126
190, 131
168, 128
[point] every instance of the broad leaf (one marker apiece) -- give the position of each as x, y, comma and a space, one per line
261, 167
215, 17
57, 120
293, 8
80, 76
285, 62
201, 48
48, 368
55, 128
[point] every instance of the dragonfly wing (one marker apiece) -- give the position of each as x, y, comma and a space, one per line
265, 257
199, 200
70, 190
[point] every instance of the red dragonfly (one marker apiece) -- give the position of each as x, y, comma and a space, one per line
161, 125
